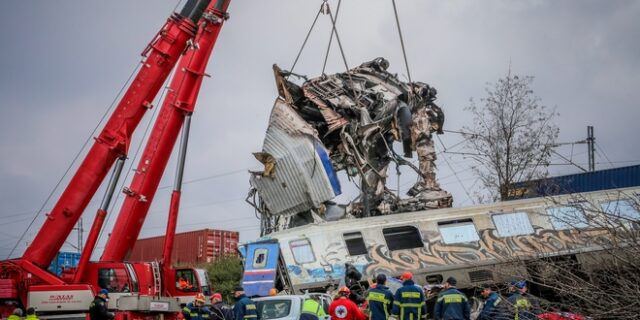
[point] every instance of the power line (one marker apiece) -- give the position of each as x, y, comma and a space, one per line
603, 153
214, 176
456, 175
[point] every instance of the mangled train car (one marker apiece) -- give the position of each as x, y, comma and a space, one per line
492, 243
346, 122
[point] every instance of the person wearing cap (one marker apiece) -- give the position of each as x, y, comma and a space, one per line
98, 309
494, 306
408, 302
220, 311
311, 309
379, 299
196, 310
452, 304
245, 308
525, 306
344, 309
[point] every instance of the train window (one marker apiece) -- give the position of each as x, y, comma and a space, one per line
355, 243
302, 252
260, 258
512, 224
404, 237
567, 217
458, 231
624, 209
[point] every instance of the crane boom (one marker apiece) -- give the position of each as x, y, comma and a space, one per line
114, 139
179, 102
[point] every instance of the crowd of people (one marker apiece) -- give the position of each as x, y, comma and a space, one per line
410, 302
244, 308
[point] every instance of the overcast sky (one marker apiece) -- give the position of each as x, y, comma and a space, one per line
63, 62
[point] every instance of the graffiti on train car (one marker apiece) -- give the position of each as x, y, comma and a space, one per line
435, 252
490, 247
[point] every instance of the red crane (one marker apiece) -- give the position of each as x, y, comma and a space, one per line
189, 37
180, 101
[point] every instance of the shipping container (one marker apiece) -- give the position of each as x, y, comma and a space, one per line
64, 260
189, 248
581, 182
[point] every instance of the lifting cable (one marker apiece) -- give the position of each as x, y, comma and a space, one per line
326, 55
404, 53
324, 9
334, 30
307, 37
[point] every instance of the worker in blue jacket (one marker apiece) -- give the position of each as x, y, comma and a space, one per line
245, 308
196, 310
379, 299
408, 303
452, 304
525, 306
495, 308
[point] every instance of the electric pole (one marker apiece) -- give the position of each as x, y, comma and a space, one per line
591, 142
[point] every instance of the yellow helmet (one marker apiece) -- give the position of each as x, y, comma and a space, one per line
200, 298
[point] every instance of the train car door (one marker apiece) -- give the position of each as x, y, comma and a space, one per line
260, 266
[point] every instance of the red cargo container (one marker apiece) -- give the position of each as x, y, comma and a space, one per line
189, 248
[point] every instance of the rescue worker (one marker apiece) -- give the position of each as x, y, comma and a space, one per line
344, 309
245, 308
494, 306
31, 314
408, 303
98, 309
196, 310
16, 314
452, 304
525, 307
379, 299
311, 309
431, 291
220, 311
183, 284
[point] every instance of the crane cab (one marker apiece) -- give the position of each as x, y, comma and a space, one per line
188, 282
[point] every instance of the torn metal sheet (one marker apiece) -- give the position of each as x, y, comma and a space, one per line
298, 174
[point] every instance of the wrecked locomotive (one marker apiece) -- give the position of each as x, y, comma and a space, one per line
345, 121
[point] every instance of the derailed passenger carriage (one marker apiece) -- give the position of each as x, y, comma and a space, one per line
493, 243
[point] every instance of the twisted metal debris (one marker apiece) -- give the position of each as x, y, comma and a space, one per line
346, 121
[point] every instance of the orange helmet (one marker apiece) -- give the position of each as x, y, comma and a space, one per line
344, 291
406, 276
200, 298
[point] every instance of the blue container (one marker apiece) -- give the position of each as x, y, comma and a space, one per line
582, 182
64, 260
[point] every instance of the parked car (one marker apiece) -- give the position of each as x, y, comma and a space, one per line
288, 307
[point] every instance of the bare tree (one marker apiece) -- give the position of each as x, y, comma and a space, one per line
599, 276
512, 135
605, 283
